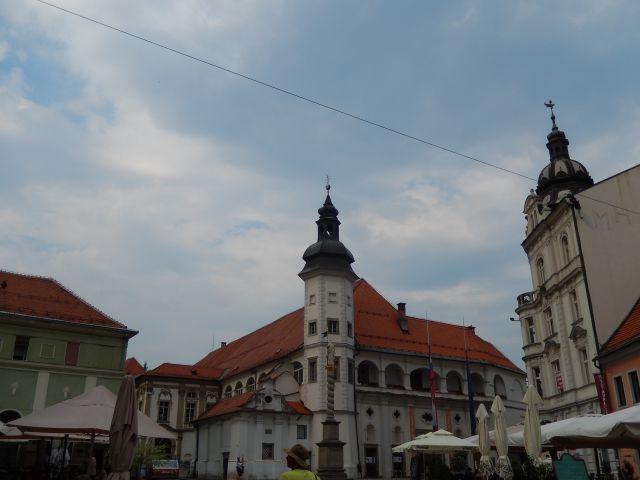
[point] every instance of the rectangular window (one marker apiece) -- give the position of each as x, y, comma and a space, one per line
333, 325
47, 350
635, 386
575, 306
267, 451
584, 358
312, 299
21, 348
349, 329
71, 355
302, 432
189, 412
336, 373
351, 371
548, 318
531, 328
1, 343
268, 431
333, 297
557, 376
313, 328
537, 378
163, 411
622, 400
313, 370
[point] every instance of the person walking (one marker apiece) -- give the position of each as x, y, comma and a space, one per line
297, 457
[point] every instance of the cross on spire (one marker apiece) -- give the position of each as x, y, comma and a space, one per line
550, 105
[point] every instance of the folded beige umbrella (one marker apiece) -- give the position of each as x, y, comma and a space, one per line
123, 435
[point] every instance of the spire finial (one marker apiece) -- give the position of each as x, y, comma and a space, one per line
328, 186
550, 105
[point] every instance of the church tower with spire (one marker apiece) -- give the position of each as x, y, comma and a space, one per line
329, 332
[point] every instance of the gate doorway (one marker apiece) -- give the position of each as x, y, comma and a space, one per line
225, 465
371, 461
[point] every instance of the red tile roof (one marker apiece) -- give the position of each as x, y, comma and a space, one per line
271, 342
133, 367
628, 330
299, 408
44, 297
185, 371
375, 327
228, 405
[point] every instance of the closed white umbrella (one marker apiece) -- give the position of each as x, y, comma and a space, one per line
503, 466
532, 443
486, 468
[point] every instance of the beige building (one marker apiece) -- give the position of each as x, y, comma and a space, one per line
581, 242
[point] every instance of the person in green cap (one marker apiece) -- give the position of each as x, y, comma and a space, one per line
297, 457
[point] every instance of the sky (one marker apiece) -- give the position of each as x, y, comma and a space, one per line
178, 198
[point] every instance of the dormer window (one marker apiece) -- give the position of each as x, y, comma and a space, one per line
333, 297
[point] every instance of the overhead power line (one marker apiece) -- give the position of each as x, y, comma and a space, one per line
310, 100
288, 92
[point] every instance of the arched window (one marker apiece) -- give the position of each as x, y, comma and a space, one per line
367, 374
164, 406
370, 434
499, 387
298, 372
420, 380
393, 376
540, 267
190, 406
454, 382
238, 389
251, 385
477, 384
566, 253
228, 392
211, 400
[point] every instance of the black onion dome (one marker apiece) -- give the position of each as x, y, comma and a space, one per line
562, 173
328, 254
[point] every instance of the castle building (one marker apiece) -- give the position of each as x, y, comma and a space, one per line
275, 382
581, 243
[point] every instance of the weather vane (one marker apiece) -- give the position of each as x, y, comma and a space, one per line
550, 105
328, 187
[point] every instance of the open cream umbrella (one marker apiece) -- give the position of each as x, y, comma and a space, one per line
124, 430
439, 441
503, 466
532, 443
486, 468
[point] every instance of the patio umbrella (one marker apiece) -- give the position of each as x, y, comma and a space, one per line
124, 431
440, 441
532, 442
503, 466
486, 468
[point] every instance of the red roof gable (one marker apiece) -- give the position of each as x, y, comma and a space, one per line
375, 327
185, 371
133, 367
44, 297
275, 340
299, 408
627, 331
228, 405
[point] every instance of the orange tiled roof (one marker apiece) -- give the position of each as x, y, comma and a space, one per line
375, 327
271, 342
133, 367
185, 371
299, 408
627, 331
44, 297
228, 405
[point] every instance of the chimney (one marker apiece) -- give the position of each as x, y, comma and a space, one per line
223, 344
402, 317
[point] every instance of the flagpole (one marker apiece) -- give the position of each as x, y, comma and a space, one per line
472, 413
432, 376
